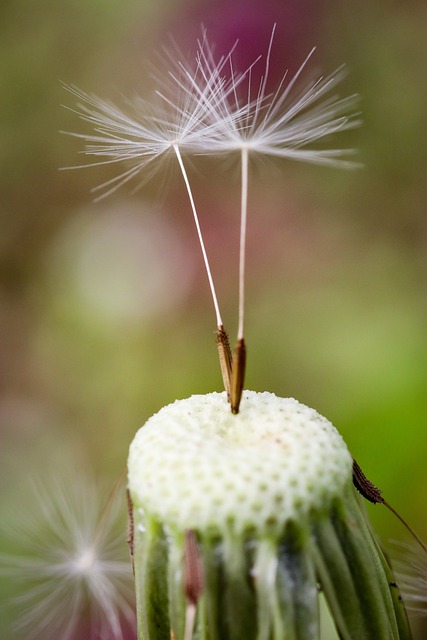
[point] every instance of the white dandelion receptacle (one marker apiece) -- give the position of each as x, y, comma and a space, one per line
268, 497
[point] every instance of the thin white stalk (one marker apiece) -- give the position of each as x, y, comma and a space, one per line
199, 233
242, 250
190, 620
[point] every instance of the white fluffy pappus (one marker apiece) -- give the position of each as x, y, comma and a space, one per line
281, 122
199, 108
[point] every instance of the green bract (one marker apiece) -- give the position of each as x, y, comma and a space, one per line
268, 498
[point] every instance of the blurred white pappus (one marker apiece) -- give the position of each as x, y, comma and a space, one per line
68, 559
103, 260
410, 562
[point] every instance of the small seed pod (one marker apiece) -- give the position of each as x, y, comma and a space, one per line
241, 519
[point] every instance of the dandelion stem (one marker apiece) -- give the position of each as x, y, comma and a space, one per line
243, 224
199, 233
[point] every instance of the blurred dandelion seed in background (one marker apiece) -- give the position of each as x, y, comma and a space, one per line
411, 570
71, 565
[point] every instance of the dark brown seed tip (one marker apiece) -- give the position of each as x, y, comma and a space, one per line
224, 353
369, 491
238, 368
365, 487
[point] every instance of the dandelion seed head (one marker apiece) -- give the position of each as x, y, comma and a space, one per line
265, 500
235, 459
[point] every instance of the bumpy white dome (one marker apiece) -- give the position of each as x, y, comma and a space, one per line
194, 465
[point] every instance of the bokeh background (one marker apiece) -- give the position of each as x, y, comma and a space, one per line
105, 312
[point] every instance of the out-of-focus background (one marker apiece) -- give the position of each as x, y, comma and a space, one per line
105, 311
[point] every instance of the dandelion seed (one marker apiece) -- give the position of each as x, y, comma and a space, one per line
281, 124
71, 564
154, 133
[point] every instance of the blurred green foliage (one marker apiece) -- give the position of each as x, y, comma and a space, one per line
337, 262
